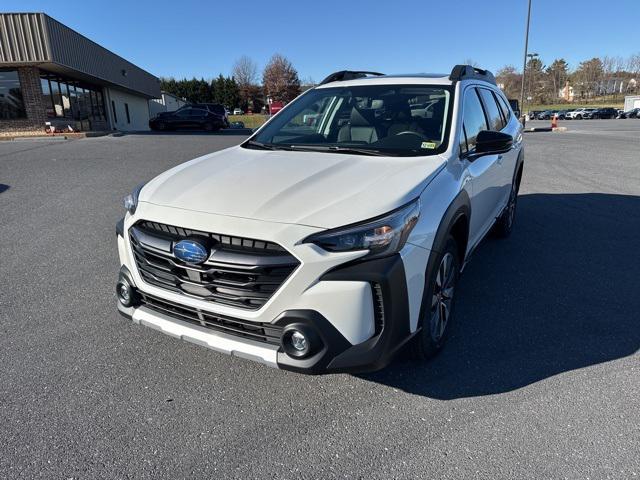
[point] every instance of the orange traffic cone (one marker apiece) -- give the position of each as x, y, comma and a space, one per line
554, 121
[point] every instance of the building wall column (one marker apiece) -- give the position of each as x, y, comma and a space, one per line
32, 95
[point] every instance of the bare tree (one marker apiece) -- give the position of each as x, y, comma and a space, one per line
280, 79
509, 79
633, 64
245, 72
472, 62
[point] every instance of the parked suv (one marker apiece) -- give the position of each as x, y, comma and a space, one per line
604, 113
547, 114
207, 116
329, 245
579, 113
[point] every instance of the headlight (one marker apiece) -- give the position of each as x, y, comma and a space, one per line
131, 200
381, 236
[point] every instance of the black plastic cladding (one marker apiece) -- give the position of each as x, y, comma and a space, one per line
337, 354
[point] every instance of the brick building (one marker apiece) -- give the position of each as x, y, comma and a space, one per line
50, 73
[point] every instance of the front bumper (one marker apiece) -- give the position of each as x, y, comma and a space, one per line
361, 311
385, 277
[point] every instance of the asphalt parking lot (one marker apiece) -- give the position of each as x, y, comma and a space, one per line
541, 378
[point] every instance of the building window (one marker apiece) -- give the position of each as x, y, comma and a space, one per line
126, 109
47, 99
11, 101
66, 98
113, 109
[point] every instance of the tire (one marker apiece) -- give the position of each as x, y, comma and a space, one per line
578, 117
161, 126
504, 225
437, 306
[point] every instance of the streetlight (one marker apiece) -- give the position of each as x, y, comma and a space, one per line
526, 48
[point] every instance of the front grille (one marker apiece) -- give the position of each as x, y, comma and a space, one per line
240, 272
261, 332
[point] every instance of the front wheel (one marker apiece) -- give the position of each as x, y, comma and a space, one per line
504, 225
437, 304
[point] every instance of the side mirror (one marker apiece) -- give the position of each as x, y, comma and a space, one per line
489, 142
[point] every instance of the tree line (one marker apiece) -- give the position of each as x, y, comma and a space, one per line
280, 82
596, 77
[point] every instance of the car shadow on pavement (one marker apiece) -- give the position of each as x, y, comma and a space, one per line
562, 293
4, 188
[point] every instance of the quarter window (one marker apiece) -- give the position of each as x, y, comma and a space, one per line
473, 120
491, 108
506, 111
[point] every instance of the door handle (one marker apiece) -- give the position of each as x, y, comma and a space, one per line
500, 159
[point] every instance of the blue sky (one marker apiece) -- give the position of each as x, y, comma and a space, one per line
204, 38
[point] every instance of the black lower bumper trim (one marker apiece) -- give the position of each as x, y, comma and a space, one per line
337, 354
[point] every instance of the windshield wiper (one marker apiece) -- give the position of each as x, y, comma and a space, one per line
337, 149
260, 145
320, 148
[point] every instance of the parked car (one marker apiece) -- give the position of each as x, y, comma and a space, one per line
633, 113
238, 111
192, 116
604, 113
579, 113
547, 114
328, 246
562, 114
515, 106
588, 113
533, 114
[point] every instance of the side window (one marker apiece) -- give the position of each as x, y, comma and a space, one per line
185, 112
473, 120
506, 111
491, 107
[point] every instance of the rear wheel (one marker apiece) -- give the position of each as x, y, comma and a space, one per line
161, 126
437, 304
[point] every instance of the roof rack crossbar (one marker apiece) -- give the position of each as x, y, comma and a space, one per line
466, 72
348, 75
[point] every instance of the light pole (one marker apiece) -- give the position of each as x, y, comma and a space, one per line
526, 48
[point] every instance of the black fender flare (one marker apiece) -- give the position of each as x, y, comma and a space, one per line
519, 168
459, 207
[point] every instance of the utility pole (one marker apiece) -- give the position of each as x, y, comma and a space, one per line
526, 49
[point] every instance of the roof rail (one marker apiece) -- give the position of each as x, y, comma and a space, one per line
466, 72
348, 75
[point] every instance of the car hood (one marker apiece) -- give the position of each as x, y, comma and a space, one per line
308, 188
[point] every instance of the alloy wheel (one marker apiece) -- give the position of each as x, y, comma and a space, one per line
442, 299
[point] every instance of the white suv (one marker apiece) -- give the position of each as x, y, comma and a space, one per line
579, 113
334, 235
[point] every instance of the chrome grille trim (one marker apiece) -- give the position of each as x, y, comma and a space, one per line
234, 275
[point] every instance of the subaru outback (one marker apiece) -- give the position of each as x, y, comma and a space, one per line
335, 235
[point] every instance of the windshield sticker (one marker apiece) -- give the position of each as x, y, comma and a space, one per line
429, 145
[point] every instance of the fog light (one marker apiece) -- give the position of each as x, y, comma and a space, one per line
299, 341
125, 293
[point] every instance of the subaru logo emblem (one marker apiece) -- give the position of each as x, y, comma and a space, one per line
190, 251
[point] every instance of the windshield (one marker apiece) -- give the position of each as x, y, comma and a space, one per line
395, 120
